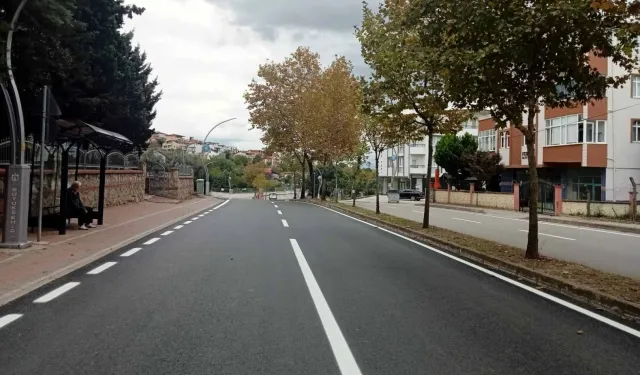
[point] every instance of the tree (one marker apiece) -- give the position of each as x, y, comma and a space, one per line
251, 171
409, 75
280, 104
485, 166
449, 154
516, 57
290, 165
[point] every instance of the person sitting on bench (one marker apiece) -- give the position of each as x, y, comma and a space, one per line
75, 208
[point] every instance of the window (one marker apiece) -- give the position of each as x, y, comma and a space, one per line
471, 124
635, 131
487, 140
572, 129
635, 86
505, 140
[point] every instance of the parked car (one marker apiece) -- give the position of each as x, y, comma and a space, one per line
412, 194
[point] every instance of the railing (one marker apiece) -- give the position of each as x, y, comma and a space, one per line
185, 170
416, 145
418, 166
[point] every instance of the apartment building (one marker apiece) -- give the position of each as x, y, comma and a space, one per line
591, 149
405, 166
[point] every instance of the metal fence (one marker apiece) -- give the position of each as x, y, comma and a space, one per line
185, 170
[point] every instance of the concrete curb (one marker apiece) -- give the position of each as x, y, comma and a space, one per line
598, 225
33, 285
616, 306
455, 208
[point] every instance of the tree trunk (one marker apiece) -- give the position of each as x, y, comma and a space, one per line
312, 178
377, 184
302, 187
530, 137
294, 186
427, 193
354, 188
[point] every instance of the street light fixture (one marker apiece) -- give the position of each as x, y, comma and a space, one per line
206, 170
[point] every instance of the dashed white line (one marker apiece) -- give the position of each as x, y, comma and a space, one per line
152, 241
131, 252
178, 227
341, 350
57, 292
194, 218
284, 222
275, 205
550, 235
470, 221
279, 212
9, 318
101, 268
167, 233
187, 222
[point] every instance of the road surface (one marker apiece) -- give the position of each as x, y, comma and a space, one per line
255, 287
606, 250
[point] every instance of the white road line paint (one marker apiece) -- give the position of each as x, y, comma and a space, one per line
152, 241
167, 233
194, 218
101, 268
470, 221
341, 351
187, 222
221, 204
57, 292
506, 279
178, 227
9, 318
549, 235
284, 222
131, 252
279, 212
275, 205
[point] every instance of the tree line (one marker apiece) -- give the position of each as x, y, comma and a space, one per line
78, 48
435, 62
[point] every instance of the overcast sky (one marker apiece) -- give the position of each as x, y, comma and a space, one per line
205, 53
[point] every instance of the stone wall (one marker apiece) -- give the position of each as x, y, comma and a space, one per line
607, 209
122, 187
441, 196
460, 197
171, 185
494, 200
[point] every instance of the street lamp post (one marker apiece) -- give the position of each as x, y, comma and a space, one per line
204, 142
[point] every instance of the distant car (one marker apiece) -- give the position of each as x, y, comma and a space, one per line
414, 195
273, 196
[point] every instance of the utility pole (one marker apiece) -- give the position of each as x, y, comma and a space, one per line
633, 199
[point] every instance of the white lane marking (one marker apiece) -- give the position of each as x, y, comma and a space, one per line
549, 235
167, 233
9, 318
101, 268
284, 222
187, 222
275, 205
352, 218
131, 252
221, 204
341, 351
470, 221
194, 218
152, 241
57, 292
557, 300
279, 212
201, 215
178, 227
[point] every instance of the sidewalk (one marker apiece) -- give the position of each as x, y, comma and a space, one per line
22, 271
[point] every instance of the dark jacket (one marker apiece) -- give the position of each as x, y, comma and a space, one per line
74, 203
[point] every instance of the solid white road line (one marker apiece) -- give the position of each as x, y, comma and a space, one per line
8, 319
152, 241
57, 292
187, 222
167, 233
346, 361
284, 222
470, 221
535, 291
550, 235
103, 267
221, 204
178, 227
131, 252
279, 212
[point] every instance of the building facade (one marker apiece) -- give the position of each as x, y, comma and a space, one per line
405, 166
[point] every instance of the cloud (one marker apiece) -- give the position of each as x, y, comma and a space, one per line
205, 53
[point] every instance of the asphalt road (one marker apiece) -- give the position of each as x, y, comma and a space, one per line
606, 250
251, 288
